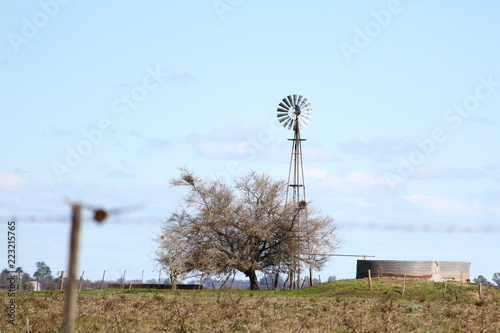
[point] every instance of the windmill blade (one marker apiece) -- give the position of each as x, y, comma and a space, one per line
283, 105
290, 100
286, 102
285, 122
280, 109
307, 112
295, 98
291, 123
299, 100
303, 122
283, 119
306, 117
284, 115
306, 105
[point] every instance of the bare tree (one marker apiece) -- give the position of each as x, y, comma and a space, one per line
245, 227
174, 253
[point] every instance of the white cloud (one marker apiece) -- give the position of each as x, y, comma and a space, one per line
351, 182
361, 203
443, 171
439, 205
253, 142
318, 153
316, 173
10, 181
154, 146
363, 179
117, 173
377, 149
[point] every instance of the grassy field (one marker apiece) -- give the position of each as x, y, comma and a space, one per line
340, 306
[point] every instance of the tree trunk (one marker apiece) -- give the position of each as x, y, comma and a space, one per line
254, 283
174, 282
276, 280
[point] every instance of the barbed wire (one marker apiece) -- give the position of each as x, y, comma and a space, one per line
63, 219
361, 226
425, 227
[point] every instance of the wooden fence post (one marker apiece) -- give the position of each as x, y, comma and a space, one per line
369, 279
102, 281
61, 281
70, 305
480, 291
123, 280
81, 279
404, 285
18, 281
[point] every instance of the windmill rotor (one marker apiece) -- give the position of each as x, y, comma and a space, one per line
294, 112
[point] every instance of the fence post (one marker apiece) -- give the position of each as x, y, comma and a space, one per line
123, 280
18, 281
81, 279
480, 291
142, 277
370, 279
61, 281
102, 281
70, 304
404, 285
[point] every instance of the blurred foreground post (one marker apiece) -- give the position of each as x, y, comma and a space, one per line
70, 305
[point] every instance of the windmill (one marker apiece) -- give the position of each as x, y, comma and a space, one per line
295, 112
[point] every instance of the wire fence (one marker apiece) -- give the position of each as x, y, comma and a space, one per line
491, 228
127, 279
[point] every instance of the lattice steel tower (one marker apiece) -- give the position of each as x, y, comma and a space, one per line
295, 112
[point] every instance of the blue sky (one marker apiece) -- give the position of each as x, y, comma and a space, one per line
102, 102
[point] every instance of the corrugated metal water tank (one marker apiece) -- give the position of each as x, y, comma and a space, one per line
415, 269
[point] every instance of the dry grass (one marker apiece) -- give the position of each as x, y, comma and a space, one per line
341, 306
